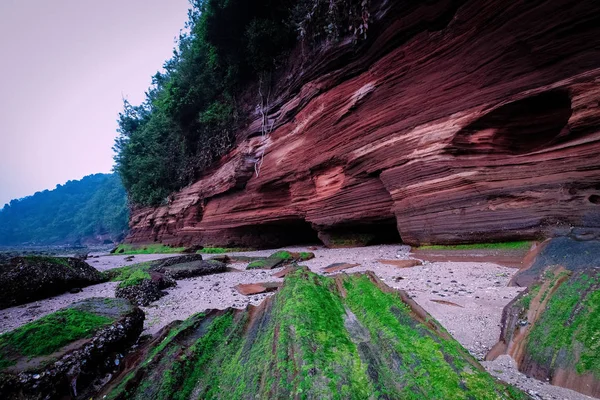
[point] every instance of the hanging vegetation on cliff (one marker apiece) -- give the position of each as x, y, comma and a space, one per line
190, 113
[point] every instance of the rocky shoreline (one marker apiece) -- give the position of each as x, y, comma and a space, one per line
467, 298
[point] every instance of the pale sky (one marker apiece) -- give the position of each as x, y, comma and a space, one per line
65, 66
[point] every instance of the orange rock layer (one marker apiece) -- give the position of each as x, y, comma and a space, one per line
455, 121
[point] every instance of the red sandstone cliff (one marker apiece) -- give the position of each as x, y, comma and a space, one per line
455, 121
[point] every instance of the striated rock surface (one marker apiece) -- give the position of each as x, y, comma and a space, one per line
455, 121
350, 337
551, 329
30, 278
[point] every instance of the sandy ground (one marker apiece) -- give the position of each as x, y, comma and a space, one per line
479, 291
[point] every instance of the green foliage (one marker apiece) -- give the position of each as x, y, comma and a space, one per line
77, 210
570, 325
155, 248
190, 113
520, 245
49, 334
136, 277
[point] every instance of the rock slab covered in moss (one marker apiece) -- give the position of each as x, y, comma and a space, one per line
190, 269
349, 337
67, 354
552, 329
30, 278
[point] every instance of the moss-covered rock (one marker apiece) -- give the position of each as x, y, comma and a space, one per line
66, 353
30, 278
143, 287
182, 267
278, 259
552, 329
348, 337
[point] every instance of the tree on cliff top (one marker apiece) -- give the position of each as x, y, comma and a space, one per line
189, 116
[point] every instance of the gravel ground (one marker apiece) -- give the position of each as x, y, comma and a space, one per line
479, 291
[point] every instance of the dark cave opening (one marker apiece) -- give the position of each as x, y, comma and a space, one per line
362, 234
276, 234
519, 127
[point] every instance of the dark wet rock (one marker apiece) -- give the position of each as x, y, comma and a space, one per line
569, 253
193, 249
75, 369
30, 278
190, 269
318, 336
179, 260
144, 291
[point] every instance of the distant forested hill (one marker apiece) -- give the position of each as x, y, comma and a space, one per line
91, 210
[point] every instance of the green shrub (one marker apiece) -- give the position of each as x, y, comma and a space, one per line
190, 115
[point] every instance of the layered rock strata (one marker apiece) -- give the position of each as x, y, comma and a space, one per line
318, 337
454, 121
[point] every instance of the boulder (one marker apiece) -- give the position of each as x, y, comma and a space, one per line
192, 268
67, 354
30, 278
278, 259
179, 260
143, 291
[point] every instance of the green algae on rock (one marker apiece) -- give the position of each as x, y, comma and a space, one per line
348, 337
551, 329
69, 352
279, 258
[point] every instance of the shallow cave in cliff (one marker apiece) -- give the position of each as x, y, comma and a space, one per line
270, 235
361, 234
519, 127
